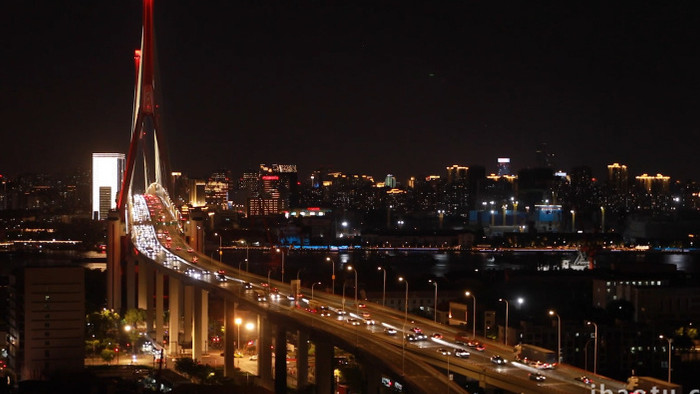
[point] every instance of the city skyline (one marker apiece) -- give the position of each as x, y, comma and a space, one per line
387, 88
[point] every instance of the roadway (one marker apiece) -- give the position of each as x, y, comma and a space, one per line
161, 241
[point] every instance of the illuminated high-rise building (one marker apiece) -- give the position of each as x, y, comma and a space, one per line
658, 184
503, 166
390, 181
457, 173
618, 178
107, 173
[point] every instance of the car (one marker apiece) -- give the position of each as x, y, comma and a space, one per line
416, 330
480, 347
461, 353
536, 376
221, 275
370, 322
584, 379
253, 357
443, 351
411, 338
498, 360
341, 315
437, 335
353, 322
366, 315
362, 305
248, 286
390, 331
325, 312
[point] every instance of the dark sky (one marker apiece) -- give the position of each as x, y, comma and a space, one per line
376, 87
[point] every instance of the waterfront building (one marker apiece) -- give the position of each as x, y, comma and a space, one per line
107, 174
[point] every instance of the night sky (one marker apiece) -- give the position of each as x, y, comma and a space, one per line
375, 87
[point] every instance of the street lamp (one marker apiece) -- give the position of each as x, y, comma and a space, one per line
357, 308
221, 252
333, 274
505, 208
669, 340
312, 289
469, 294
282, 251
573, 221
436, 291
602, 222
505, 336
268, 281
238, 322
384, 285
492, 217
553, 313
595, 346
405, 318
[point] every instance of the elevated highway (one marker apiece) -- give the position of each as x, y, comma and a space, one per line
157, 240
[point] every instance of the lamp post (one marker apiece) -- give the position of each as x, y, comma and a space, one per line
505, 209
669, 340
383, 286
282, 251
469, 294
357, 308
585, 354
312, 289
553, 313
333, 274
238, 322
515, 213
221, 252
505, 335
573, 221
602, 222
405, 319
268, 281
595, 346
436, 294
493, 218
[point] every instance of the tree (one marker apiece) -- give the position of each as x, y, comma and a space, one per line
107, 355
134, 317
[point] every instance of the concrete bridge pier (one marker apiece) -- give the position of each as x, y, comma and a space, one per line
130, 282
264, 349
302, 360
145, 278
188, 306
280, 360
196, 324
159, 308
204, 324
115, 233
324, 367
174, 308
229, 337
